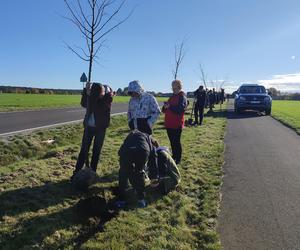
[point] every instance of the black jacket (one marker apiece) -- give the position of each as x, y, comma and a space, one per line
138, 141
101, 110
200, 97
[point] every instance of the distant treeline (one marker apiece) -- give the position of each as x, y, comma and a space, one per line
28, 90
278, 95
119, 91
294, 96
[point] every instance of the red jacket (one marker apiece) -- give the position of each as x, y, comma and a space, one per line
174, 115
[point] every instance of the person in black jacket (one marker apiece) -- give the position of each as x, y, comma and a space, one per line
97, 101
200, 95
136, 152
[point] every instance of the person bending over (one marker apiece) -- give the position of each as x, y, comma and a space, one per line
136, 152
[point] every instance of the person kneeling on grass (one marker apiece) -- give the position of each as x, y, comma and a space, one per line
136, 152
169, 175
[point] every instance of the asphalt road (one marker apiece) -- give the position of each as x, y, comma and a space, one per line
260, 206
26, 121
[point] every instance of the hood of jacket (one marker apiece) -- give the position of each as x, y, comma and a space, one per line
135, 86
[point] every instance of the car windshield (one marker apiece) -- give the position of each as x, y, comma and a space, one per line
252, 89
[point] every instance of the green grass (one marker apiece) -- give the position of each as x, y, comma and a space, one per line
288, 112
38, 204
13, 102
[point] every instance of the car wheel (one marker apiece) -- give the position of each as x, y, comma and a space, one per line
238, 110
268, 111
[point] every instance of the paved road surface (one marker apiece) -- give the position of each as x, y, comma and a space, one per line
14, 122
260, 206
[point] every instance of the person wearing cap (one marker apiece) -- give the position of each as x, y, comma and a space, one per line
97, 100
174, 110
143, 109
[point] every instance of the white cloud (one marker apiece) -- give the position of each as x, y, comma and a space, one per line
293, 57
286, 83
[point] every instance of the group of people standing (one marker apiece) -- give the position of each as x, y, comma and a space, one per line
140, 153
206, 99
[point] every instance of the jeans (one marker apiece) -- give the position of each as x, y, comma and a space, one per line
89, 134
174, 137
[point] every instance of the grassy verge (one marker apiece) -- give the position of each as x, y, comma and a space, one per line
288, 112
14, 102
38, 204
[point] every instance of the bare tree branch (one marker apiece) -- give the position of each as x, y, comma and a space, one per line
76, 18
92, 23
90, 4
100, 13
83, 15
82, 51
99, 47
110, 18
112, 28
83, 32
203, 76
76, 53
179, 55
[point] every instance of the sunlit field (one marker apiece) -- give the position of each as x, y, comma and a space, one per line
13, 102
287, 112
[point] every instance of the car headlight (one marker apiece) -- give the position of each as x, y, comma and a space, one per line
242, 98
267, 99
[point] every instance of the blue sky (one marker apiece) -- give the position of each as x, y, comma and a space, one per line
237, 41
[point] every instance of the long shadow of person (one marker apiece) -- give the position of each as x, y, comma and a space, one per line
32, 199
43, 211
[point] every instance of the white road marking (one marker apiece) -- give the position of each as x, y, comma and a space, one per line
50, 126
74, 111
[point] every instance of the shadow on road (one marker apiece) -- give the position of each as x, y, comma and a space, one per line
231, 114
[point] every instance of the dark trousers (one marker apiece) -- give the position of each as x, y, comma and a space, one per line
174, 137
132, 168
199, 112
142, 125
89, 134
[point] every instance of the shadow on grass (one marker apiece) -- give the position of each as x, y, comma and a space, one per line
216, 113
88, 216
32, 231
103, 211
32, 199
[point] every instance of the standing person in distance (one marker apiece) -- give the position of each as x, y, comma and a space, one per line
143, 109
200, 96
96, 120
174, 110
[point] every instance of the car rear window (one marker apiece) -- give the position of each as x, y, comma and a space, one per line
252, 89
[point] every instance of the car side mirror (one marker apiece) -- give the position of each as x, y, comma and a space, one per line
269, 93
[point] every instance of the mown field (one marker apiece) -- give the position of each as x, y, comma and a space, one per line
288, 112
13, 102
38, 205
